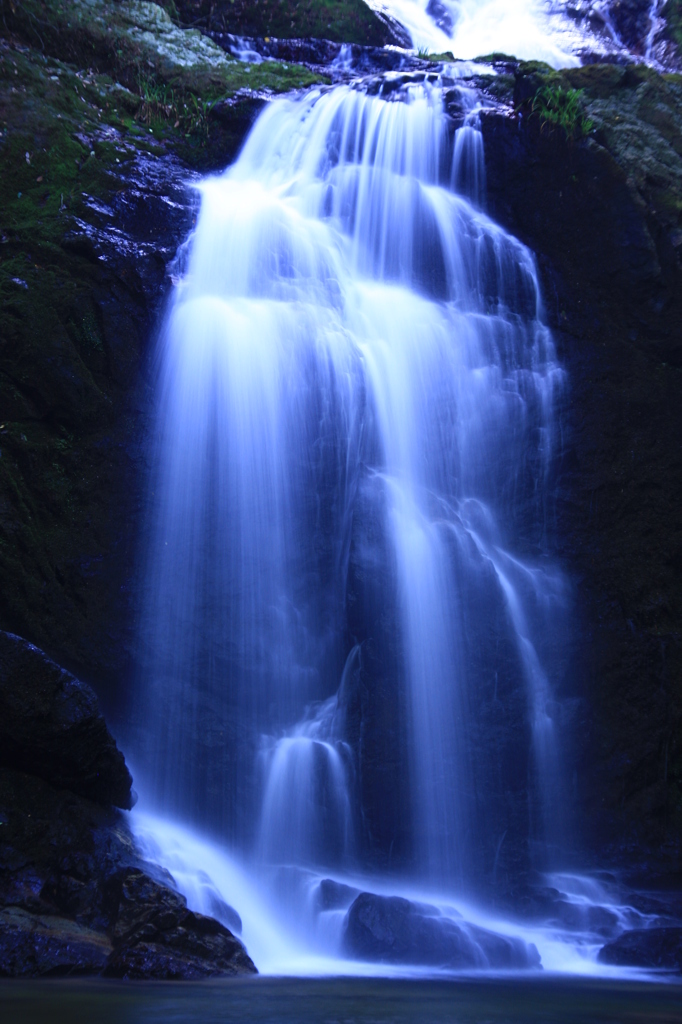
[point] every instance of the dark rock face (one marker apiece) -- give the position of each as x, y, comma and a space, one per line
156, 936
602, 216
374, 699
51, 726
42, 946
343, 21
546, 905
390, 929
78, 899
75, 896
322, 54
332, 895
650, 947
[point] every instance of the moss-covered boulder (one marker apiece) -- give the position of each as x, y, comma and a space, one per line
342, 21
139, 46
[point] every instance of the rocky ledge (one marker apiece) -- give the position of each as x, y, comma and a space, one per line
76, 897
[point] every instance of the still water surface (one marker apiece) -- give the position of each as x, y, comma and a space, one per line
341, 1001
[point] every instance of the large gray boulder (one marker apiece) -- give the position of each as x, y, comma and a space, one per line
51, 727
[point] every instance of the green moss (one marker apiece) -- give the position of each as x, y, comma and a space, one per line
495, 58
134, 39
596, 80
535, 67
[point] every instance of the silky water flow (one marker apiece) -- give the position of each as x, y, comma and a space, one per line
351, 616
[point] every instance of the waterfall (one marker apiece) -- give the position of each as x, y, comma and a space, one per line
351, 617
527, 29
558, 32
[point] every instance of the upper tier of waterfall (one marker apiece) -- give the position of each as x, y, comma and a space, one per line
558, 32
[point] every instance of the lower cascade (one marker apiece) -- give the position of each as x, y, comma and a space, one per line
353, 627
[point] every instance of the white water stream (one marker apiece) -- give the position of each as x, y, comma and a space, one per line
351, 613
527, 29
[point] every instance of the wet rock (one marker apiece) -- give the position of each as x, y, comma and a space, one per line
332, 895
647, 947
41, 946
323, 55
349, 21
390, 929
224, 913
602, 215
156, 936
547, 905
632, 21
78, 898
51, 726
441, 15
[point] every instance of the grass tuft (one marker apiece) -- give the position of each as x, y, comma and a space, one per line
563, 109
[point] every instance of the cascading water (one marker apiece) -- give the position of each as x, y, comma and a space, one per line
558, 32
351, 617
527, 29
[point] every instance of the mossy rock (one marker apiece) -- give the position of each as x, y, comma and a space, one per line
636, 114
133, 40
342, 21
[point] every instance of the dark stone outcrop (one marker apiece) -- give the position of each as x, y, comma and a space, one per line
333, 895
34, 945
646, 947
343, 21
604, 216
51, 726
156, 936
77, 898
548, 906
390, 929
75, 895
336, 59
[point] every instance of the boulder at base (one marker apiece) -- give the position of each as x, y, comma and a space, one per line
76, 898
156, 936
51, 726
646, 947
390, 929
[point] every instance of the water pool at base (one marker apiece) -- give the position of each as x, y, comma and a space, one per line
340, 1000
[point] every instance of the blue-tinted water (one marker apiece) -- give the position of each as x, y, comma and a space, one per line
341, 1001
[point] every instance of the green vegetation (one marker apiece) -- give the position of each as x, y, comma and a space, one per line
637, 116
447, 57
562, 108
496, 58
